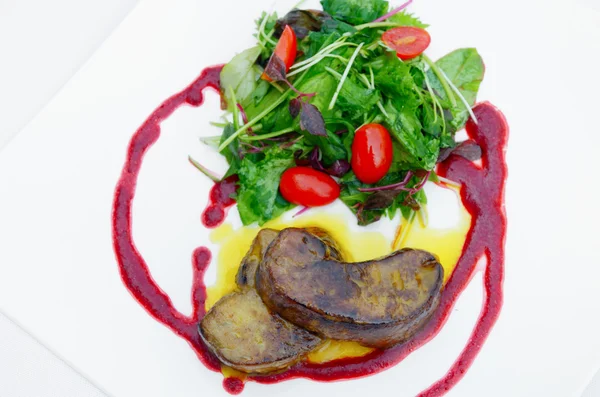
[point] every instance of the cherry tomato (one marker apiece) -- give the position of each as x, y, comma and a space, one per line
408, 41
308, 187
372, 153
286, 49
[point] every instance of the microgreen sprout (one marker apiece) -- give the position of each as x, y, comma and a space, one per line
344, 76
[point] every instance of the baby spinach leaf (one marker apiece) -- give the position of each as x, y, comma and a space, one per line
242, 76
355, 12
465, 69
324, 85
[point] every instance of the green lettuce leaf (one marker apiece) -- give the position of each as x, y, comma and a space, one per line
465, 68
241, 75
258, 197
355, 12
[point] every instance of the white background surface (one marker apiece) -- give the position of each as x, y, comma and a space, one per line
152, 56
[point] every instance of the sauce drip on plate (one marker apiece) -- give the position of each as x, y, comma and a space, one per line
482, 195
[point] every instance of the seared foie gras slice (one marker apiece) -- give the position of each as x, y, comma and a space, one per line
244, 335
377, 303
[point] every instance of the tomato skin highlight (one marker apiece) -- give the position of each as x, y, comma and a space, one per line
286, 49
372, 153
408, 41
308, 187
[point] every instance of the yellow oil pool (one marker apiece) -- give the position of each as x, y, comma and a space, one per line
357, 246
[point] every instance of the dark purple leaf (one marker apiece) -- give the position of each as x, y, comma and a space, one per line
467, 149
299, 160
276, 69
295, 105
444, 154
302, 22
381, 200
311, 120
339, 168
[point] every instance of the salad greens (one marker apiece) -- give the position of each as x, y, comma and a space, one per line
344, 77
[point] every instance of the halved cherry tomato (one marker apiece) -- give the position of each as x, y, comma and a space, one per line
308, 187
372, 153
408, 41
286, 49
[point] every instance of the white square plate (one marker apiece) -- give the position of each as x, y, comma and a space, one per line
59, 278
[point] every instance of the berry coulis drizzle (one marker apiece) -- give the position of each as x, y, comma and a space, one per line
482, 195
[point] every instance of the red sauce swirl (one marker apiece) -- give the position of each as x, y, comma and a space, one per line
482, 194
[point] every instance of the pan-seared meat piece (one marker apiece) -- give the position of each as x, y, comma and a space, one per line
377, 303
244, 335
247, 271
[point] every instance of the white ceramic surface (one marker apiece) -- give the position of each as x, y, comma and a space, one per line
58, 276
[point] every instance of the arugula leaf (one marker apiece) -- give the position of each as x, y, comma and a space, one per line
355, 12
242, 75
405, 19
258, 198
465, 69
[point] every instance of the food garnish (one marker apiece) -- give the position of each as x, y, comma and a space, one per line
348, 85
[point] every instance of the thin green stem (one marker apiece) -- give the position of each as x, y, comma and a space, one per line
268, 136
380, 106
371, 25
404, 231
424, 216
204, 170
277, 87
344, 76
260, 116
255, 120
461, 97
333, 72
441, 77
218, 125
325, 50
268, 37
236, 110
